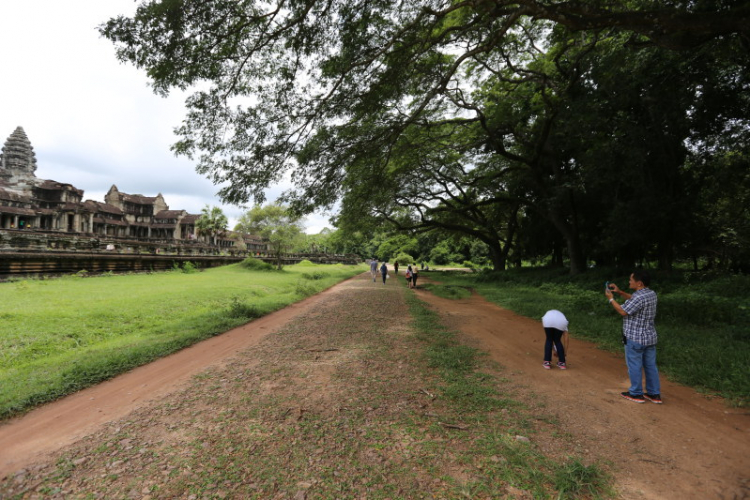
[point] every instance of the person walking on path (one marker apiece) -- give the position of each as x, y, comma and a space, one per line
555, 325
374, 268
395, 267
639, 335
409, 275
384, 271
414, 275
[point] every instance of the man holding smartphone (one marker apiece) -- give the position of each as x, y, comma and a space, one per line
639, 332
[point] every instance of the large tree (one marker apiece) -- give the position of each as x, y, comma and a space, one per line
330, 89
279, 228
212, 223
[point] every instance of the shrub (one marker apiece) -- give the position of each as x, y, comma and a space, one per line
305, 289
240, 309
403, 259
253, 264
317, 275
305, 263
189, 268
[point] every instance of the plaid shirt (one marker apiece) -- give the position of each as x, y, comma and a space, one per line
638, 325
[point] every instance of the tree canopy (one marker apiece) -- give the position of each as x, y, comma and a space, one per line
485, 118
279, 228
212, 222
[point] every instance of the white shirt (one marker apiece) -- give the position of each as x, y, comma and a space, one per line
555, 319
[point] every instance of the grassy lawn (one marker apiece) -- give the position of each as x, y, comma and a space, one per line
61, 335
703, 320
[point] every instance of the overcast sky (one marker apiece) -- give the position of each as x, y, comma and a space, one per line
92, 121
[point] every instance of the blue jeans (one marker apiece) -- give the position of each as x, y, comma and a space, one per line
640, 359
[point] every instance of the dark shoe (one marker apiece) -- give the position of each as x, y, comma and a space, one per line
654, 398
633, 398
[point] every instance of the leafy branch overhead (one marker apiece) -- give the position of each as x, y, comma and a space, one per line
296, 78
490, 109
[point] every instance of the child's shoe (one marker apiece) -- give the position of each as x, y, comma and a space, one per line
561, 365
546, 365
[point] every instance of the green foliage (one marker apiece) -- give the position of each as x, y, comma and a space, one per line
240, 309
276, 224
253, 264
317, 275
561, 145
212, 222
574, 479
403, 259
189, 268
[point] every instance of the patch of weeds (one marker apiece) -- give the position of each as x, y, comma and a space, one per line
574, 479
453, 292
317, 275
253, 264
189, 268
304, 289
240, 309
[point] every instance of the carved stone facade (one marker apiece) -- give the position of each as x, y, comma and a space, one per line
29, 203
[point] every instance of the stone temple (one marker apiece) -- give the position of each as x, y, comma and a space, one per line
30, 203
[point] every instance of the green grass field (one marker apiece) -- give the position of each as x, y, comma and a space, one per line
58, 336
703, 320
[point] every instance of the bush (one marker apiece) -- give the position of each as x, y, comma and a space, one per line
317, 275
403, 259
305, 289
189, 268
240, 309
306, 263
253, 264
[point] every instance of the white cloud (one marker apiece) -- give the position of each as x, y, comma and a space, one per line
93, 121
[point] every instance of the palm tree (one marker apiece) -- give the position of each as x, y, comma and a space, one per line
212, 222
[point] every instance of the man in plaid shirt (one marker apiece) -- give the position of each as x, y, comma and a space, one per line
639, 335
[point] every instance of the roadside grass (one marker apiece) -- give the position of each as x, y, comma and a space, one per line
703, 319
336, 406
61, 335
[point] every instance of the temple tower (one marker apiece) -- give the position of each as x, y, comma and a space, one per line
18, 162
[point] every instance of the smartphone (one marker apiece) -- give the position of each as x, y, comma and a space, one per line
606, 286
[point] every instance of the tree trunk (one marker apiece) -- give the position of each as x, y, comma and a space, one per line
573, 242
498, 256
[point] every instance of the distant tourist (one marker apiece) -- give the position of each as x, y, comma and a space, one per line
408, 276
395, 267
374, 269
555, 325
639, 335
384, 271
414, 276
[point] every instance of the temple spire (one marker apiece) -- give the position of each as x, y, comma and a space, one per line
18, 160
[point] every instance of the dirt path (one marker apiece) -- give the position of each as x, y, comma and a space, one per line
689, 447
30, 439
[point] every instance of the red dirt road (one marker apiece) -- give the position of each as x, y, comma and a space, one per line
29, 439
689, 447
